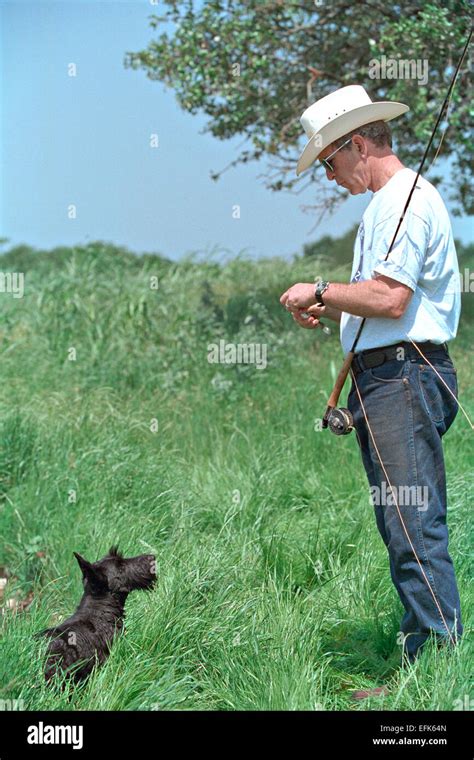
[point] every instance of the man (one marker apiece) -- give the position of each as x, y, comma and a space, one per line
402, 401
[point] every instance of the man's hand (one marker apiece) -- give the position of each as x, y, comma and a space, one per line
300, 301
299, 296
309, 319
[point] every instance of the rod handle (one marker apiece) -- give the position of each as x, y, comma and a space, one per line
341, 379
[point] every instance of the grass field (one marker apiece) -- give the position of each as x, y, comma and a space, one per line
273, 589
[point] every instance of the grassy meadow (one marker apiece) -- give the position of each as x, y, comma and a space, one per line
273, 589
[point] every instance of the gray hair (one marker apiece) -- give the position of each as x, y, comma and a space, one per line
377, 132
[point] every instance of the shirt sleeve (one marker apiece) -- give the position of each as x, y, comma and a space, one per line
408, 255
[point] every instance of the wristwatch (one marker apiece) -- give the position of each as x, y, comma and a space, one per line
321, 288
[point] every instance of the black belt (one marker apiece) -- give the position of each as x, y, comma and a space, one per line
374, 357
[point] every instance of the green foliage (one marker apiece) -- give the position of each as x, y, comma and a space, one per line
17, 444
274, 590
333, 252
252, 67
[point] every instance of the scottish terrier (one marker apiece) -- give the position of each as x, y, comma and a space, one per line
85, 638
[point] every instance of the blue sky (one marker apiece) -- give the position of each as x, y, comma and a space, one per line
84, 140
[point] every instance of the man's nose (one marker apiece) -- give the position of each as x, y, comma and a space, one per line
330, 175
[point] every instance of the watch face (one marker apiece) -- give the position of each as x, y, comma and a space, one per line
321, 288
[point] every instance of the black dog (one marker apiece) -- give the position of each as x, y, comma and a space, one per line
84, 639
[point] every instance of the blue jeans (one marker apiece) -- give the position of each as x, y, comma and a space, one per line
409, 410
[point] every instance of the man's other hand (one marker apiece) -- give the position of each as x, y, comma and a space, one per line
308, 318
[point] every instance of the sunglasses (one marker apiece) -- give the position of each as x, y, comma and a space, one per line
325, 161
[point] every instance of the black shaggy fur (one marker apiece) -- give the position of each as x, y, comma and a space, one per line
85, 638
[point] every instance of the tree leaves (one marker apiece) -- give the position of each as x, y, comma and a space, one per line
254, 66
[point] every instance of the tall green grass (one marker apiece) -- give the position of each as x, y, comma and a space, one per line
273, 590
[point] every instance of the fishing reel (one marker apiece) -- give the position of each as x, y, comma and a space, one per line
339, 421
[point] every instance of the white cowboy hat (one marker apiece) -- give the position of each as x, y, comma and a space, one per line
337, 114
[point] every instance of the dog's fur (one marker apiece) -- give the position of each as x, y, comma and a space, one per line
85, 638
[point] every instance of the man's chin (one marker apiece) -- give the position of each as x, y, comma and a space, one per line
356, 190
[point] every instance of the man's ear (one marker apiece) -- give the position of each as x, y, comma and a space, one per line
359, 143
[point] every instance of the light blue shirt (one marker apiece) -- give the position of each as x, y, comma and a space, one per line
423, 257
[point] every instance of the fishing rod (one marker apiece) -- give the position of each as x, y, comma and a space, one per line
340, 420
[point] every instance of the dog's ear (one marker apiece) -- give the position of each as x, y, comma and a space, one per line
91, 573
83, 563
